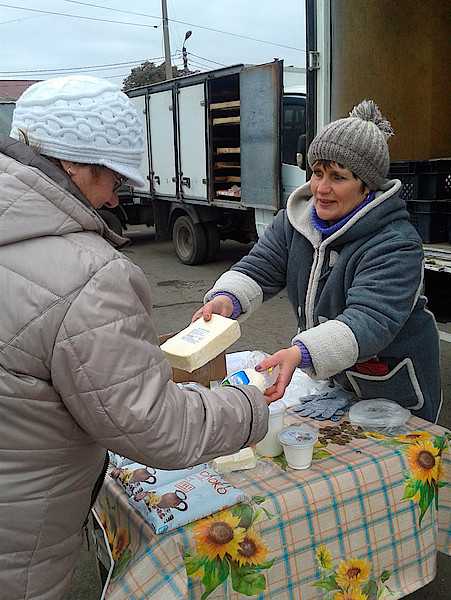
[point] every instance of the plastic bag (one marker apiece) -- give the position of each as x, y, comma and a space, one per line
302, 385
379, 414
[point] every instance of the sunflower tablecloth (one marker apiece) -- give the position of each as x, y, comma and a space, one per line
364, 522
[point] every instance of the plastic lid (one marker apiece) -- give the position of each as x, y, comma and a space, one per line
298, 435
378, 412
276, 408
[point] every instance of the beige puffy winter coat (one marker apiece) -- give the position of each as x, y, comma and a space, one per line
80, 371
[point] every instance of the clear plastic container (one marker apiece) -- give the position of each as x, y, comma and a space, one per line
297, 442
379, 414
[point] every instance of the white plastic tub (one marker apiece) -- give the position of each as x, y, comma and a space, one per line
297, 442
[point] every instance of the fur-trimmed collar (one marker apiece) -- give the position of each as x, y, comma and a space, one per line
299, 210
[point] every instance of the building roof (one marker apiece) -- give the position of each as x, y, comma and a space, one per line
11, 89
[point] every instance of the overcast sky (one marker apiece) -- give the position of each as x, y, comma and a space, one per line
36, 41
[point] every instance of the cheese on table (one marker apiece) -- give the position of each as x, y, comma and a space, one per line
244, 459
200, 342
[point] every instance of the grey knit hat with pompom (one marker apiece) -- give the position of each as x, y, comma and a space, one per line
358, 143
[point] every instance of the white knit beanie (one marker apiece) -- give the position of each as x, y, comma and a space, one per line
82, 119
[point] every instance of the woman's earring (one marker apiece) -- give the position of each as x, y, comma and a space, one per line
69, 172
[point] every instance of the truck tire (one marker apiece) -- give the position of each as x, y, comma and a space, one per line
213, 241
112, 221
190, 241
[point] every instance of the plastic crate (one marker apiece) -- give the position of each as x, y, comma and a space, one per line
430, 219
434, 179
407, 172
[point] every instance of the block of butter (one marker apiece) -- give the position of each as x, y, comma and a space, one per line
244, 459
200, 342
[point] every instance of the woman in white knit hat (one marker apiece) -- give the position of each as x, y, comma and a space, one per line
353, 267
80, 366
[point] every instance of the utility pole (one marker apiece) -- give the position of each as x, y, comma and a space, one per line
167, 48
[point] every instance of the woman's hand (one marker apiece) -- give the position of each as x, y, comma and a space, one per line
220, 305
287, 360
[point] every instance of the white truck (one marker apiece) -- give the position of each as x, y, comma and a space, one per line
225, 149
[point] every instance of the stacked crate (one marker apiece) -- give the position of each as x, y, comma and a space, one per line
426, 188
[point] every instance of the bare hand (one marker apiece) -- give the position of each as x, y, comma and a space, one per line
220, 305
287, 360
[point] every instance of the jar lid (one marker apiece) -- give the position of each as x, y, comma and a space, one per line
298, 435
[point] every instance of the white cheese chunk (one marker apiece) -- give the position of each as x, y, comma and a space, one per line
244, 459
200, 342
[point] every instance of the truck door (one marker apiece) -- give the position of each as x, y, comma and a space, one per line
162, 141
139, 103
260, 118
192, 142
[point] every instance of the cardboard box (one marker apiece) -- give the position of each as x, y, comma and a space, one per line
215, 370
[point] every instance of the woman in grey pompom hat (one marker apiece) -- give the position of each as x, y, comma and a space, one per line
81, 370
352, 264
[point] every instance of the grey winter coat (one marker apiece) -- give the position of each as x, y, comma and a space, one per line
357, 295
81, 371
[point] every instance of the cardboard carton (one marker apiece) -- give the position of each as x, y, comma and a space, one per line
214, 370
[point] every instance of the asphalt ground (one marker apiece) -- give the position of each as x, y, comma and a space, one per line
178, 290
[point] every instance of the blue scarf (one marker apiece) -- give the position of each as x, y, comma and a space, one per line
323, 226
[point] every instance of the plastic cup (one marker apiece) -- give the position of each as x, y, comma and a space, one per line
297, 442
270, 445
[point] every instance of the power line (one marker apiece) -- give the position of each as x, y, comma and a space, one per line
16, 20
215, 62
48, 12
83, 67
246, 37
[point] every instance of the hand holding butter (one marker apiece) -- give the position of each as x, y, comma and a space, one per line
200, 342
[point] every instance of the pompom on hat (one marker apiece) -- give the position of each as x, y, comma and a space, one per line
82, 119
358, 143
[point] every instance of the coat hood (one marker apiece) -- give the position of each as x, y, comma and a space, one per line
386, 207
38, 199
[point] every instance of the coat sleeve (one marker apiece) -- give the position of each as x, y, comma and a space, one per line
115, 381
384, 289
262, 273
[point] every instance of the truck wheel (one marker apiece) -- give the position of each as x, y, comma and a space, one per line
112, 221
190, 241
213, 240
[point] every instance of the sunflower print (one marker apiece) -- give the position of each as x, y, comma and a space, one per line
424, 461
107, 527
151, 500
218, 535
324, 557
351, 594
120, 542
252, 550
375, 435
352, 572
413, 436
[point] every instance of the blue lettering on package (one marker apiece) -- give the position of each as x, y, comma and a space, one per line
135, 477
186, 500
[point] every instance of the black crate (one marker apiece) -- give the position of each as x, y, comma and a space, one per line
407, 172
434, 181
430, 219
